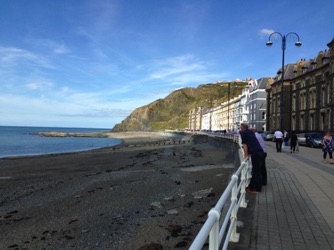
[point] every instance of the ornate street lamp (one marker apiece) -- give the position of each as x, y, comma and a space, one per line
278, 35
228, 105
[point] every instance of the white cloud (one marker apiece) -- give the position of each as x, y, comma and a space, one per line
64, 89
265, 32
183, 70
54, 46
38, 85
11, 56
195, 78
175, 65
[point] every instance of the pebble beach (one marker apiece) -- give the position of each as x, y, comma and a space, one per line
147, 193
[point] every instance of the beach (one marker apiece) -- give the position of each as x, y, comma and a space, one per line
150, 192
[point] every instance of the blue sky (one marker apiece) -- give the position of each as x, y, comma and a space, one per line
90, 63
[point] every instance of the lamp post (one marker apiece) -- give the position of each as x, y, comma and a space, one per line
298, 44
228, 106
209, 110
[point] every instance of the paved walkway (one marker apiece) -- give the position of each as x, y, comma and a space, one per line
296, 209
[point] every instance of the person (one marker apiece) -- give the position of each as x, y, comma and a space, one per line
263, 145
293, 142
253, 150
286, 138
278, 135
327, 147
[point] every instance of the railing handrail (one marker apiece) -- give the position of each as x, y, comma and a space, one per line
236, 190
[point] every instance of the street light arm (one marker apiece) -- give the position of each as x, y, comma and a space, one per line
298, 43
274, 34
292, 33
269, 43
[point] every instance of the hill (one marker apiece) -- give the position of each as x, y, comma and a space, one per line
172, 112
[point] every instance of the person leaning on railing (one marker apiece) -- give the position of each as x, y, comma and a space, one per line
264, 147
253, 150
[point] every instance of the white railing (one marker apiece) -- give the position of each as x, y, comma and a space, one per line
215, 227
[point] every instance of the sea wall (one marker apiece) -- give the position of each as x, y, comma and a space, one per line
226, 144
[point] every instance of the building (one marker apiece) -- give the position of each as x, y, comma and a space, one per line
308, 103
195, 118
257, 103
230, 114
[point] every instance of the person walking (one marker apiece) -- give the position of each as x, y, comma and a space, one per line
293, 142
253, 150
278, 135
263, 145
286, 136
327, 147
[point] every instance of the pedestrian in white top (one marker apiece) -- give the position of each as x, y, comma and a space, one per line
278, 135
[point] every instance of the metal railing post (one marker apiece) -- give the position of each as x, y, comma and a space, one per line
234, 200
214, 233
243, 180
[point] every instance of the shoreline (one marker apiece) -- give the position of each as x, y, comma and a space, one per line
128, 198
117, 135
126, 139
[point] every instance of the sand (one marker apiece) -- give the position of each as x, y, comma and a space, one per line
150, 192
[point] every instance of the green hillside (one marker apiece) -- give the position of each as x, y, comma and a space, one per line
172, 112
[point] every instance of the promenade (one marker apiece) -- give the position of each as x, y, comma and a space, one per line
296, 208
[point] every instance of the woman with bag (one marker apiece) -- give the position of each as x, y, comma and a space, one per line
293, 142
327, 147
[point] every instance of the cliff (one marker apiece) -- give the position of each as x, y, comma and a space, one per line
172, 112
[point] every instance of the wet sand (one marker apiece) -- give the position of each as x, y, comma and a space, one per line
147, 193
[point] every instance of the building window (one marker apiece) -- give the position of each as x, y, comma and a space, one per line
294, 86
312, 98
328, 119
293, 123
328, 96
302, 98
278, 104
274, 105
312, 122
302, 122
323, 96
312, 95
318, 78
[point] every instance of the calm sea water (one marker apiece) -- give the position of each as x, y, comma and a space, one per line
19, 141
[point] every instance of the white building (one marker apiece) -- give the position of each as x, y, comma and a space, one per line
250, 106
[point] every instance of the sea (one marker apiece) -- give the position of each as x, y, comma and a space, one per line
21, 141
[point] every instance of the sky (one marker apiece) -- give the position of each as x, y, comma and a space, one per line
90, 63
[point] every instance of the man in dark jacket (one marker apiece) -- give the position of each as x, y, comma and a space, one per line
293, 142
253, 150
